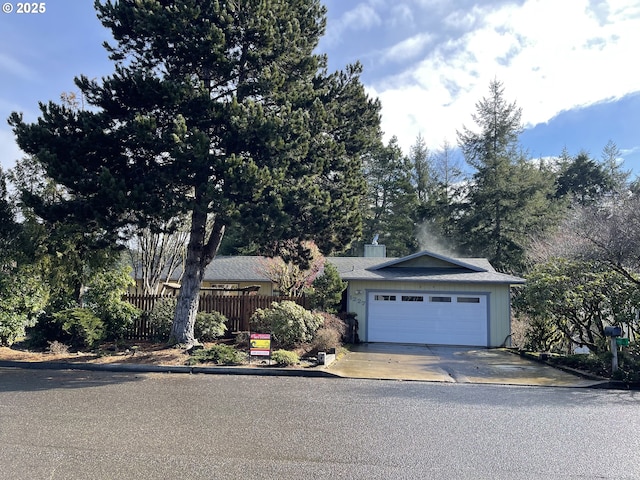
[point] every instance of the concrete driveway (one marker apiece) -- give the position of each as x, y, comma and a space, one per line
450, 364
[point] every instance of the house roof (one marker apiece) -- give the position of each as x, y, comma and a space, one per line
422, 266
239, 268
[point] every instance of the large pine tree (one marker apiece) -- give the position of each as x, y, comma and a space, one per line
391, 200
509, 197
219, 110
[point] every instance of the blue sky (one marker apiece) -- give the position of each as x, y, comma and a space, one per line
571, 65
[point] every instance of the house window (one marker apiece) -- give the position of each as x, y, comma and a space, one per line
468, 300
412, 298
385, 298
440, 299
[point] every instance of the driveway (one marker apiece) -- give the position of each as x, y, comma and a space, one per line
450, 364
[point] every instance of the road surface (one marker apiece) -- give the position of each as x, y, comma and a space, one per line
100, 425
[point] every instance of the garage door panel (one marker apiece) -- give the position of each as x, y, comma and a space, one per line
446, 319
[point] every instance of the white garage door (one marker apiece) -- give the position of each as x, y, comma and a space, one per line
440, 319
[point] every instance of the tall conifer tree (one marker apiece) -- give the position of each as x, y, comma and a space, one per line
219, 110
509, 197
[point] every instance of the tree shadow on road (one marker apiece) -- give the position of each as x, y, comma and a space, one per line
14, 379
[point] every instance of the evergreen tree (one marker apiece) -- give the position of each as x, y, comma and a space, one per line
9, 228
583, 180
219, 111
423, 175
612, 165
508, 197
391, 200
326, 294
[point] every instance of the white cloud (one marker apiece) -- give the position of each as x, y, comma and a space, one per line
464, 19
551, 56
362, 17
407, 49
401, 16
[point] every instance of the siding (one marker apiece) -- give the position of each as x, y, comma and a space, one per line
498, 298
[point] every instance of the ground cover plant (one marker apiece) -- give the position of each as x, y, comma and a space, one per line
600, 364
219, 354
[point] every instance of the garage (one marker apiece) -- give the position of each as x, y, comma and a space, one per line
427, 318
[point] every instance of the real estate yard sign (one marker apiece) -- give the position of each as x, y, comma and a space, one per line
260, 344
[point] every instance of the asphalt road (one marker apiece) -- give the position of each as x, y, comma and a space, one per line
100, 425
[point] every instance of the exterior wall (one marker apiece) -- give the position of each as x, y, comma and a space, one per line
499, 302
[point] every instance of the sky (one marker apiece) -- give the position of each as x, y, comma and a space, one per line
571, 65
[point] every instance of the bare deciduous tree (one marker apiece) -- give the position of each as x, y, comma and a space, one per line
290, 277
157, 256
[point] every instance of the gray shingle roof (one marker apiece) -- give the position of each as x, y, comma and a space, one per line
234, 269
478, 270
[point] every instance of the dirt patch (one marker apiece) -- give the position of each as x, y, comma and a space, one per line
143, 353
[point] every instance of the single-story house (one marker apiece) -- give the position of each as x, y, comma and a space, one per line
424, 298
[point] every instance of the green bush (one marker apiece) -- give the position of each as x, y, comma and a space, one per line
541, 335
84, 328
600, 364
218, 354
596, 364
12, 327
289, 323
326, 294
160, 319
22, 300
104, 298
285, 358
629, 365
210, 326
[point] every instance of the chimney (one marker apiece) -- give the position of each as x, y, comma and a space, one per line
375, 251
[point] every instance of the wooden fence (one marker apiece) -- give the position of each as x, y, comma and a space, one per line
237, 309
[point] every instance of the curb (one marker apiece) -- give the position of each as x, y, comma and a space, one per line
142, 368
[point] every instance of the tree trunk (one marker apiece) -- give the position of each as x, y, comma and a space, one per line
200, 252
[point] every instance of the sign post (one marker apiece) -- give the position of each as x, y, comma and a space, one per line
613, 333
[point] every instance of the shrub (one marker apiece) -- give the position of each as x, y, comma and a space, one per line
210, 326
22, 300
243, 339
329, 335
542, 335
289, 323
104, 298
325, 339
58, 348
326, 294
160, 319
82, 326
598, 364
285, 358
218, 354
12, 327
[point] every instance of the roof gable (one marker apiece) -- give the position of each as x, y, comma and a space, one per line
430, 260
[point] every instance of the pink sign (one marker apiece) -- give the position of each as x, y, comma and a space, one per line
260, 344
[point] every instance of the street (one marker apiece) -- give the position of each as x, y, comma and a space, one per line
101, 425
